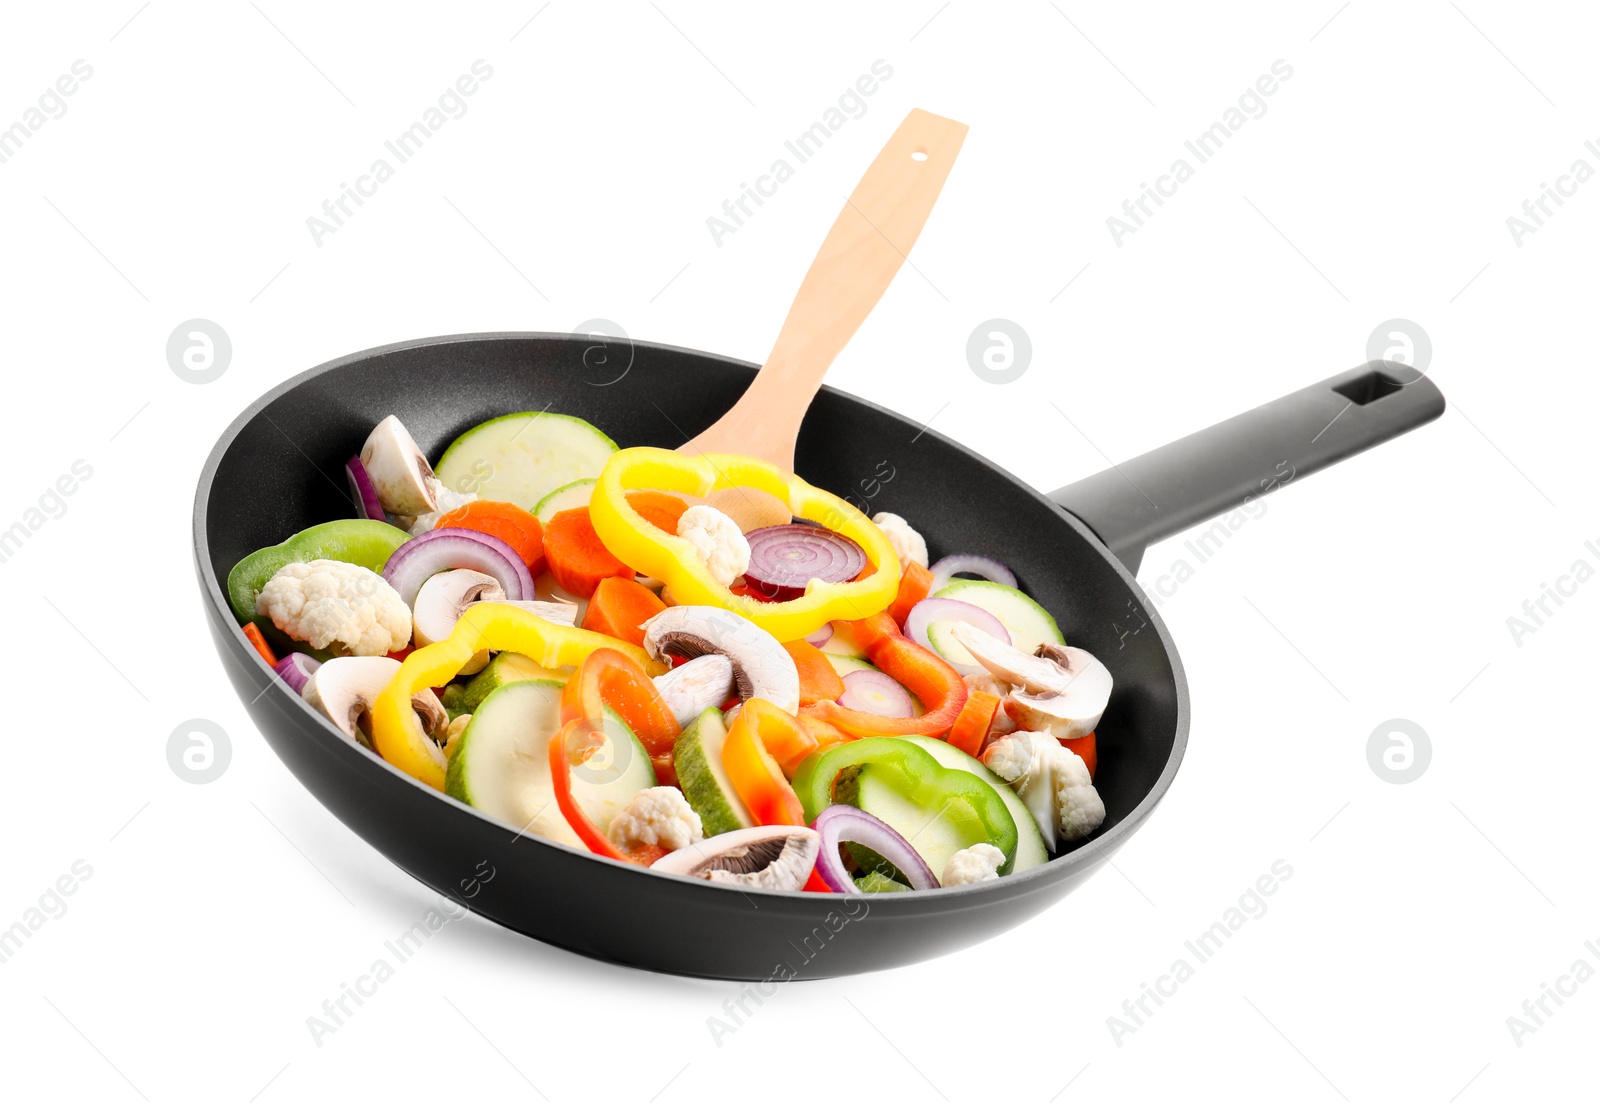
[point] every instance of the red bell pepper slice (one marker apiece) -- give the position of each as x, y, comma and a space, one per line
935, 683
607, 677
578, 740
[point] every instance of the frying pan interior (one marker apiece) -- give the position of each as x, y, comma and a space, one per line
278, 469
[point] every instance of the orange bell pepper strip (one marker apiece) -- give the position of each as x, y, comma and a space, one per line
607, 677
756, 776
785, 737
935, 683
971, 730
493, 626
629, 537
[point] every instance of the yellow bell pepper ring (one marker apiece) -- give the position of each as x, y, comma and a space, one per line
396, 733
674, 561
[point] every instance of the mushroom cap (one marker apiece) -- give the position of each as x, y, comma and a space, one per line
774, 856
761, 666
400, 473
1059, 690
445, 597
344, 688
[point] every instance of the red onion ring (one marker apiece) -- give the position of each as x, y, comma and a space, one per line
296, 669
929, 610
784, 558
846, 824
876, 693
981, 566
362, 490
821, 636
420, 558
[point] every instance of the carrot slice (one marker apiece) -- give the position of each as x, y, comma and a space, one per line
915, 581
1084, 748
576, 557
658, 508
818, 680
506, 520
620, 607
252, 633
971, 729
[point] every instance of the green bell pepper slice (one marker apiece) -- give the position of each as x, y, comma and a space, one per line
826, 776
354, 540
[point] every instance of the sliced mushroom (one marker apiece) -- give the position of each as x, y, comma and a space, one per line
445, 597
1059, 690
697, 686
776, 856
546, 589
1036, 674
761, 667
562, 613
400, 473
344, 688
1070, 708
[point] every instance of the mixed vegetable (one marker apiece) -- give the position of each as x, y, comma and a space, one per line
584, 643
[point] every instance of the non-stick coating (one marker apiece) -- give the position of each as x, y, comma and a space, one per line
278, 469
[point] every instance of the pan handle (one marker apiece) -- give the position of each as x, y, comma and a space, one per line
1134, 504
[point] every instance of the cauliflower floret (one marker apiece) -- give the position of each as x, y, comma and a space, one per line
1078, 803
445, 499
979, 863
333, 604
988, 683
660, 815
1053, 783
717, 540
908, 543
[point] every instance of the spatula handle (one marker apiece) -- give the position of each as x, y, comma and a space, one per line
866, 247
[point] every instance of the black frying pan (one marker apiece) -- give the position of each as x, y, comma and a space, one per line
1074, 551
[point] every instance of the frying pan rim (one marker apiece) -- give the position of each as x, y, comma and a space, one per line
1021, 884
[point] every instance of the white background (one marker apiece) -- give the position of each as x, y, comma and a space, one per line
1378, 184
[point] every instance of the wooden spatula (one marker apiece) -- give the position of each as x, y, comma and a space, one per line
869, 241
